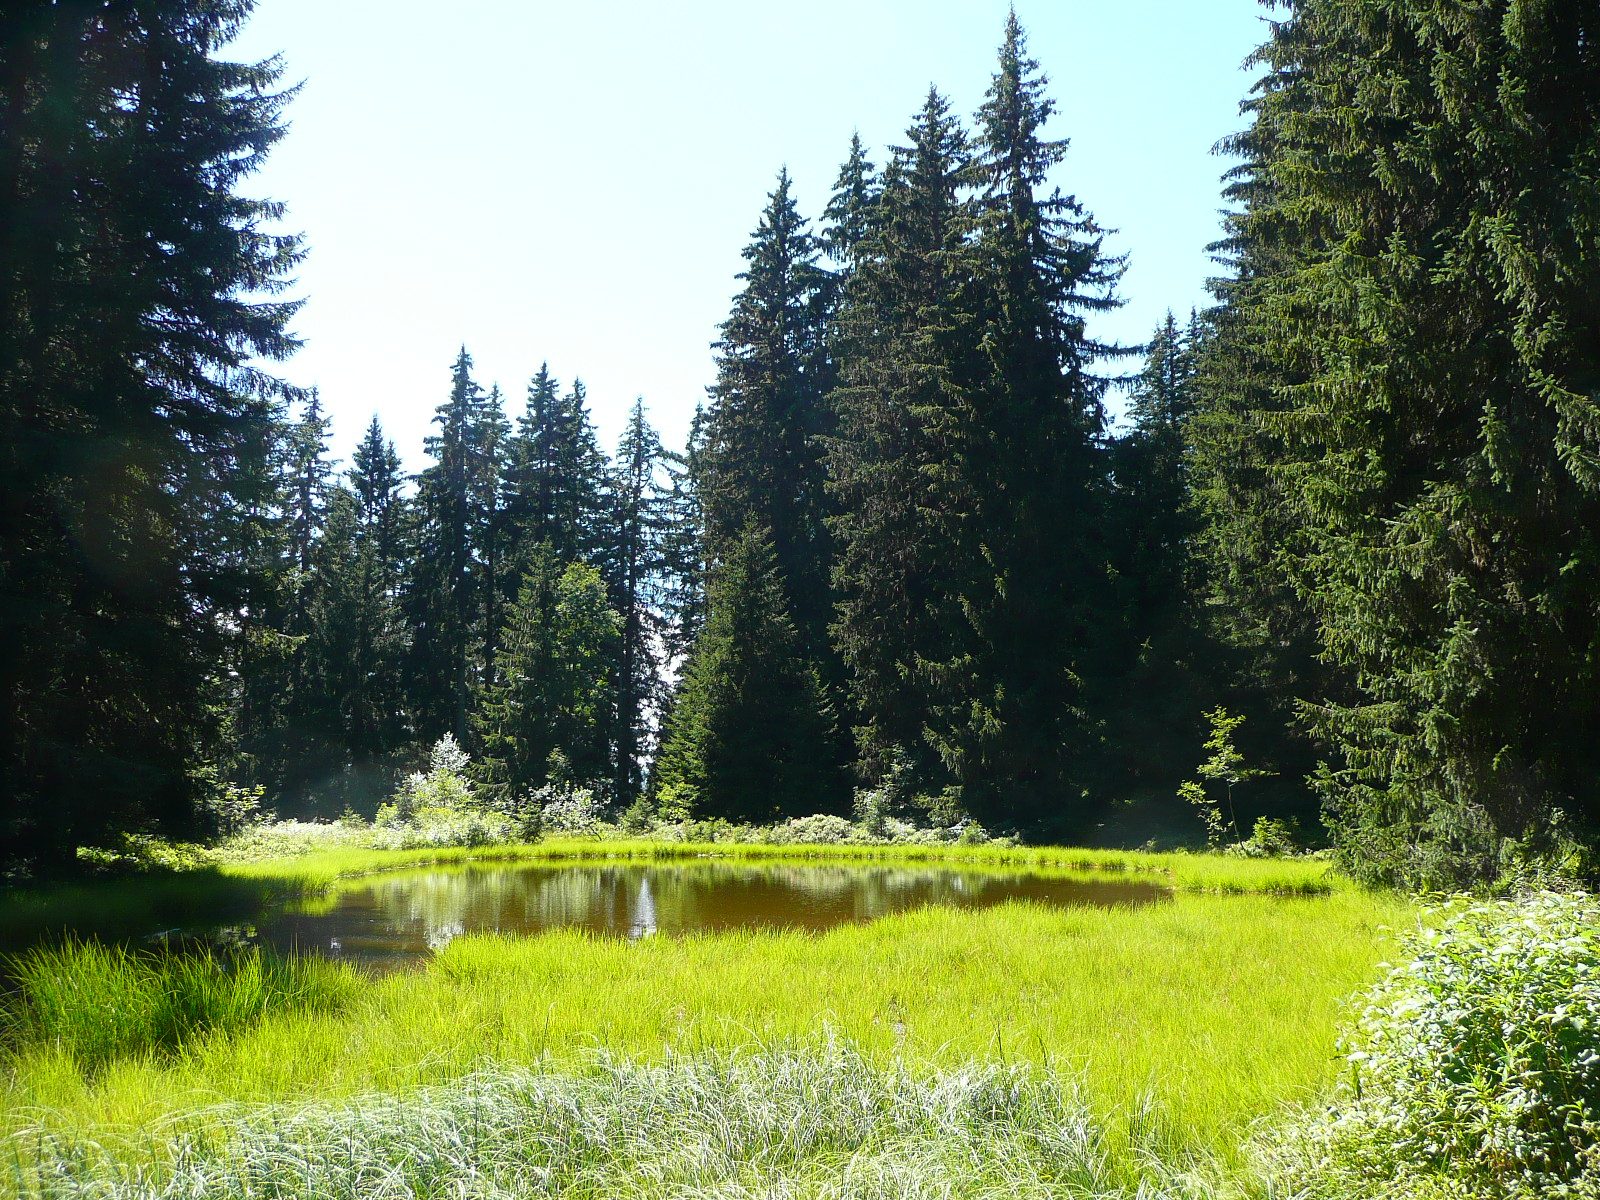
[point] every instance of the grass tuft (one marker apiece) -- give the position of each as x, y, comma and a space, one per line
810, 1120
93, 1004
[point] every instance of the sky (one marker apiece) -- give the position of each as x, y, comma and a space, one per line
573, 182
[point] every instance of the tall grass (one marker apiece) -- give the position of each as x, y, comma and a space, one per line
1185, 1021
806, 1121
87, 1005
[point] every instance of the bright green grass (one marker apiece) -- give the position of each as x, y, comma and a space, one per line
1175, 1026
1186, 871
1213, 1009
214, 894
816, 1121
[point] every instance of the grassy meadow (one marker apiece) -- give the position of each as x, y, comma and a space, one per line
1167, 1030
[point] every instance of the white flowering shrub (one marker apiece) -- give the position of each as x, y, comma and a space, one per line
821, 829
574, 812
437, 827
1474, 1069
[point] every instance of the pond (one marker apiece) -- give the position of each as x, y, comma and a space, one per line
393, 921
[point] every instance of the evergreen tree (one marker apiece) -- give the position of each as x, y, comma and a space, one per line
761, 457
847, 219
900, 343
1421, 274
683, 548
491, 534
637, 573
376, 477
138, 286
310, 473
1021, 489
556, 476
440, 603
373, 706
554, 693
748, 734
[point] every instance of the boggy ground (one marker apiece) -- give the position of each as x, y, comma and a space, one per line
1156, 1037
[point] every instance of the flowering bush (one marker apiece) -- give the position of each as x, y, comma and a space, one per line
1474, 1070
820, 829
434, 827
574, 811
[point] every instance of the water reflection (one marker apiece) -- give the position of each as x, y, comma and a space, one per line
400, 919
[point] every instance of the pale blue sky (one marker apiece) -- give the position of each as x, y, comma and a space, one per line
575, 181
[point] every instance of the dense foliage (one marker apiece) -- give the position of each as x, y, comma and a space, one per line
903, 554
1403, 428
1474, 1069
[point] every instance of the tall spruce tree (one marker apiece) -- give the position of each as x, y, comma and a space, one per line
847, 219
556, 475
636, 567
683, 548
440, 603
761, 458
138, 286
310, 476
899, 340
554, 693
1424, 291
1022, 486
748, 732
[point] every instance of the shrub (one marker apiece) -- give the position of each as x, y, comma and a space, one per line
1270, 838
430, 828
571, 811
820, 829
1474, 1070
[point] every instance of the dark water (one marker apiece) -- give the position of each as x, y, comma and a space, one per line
401, 919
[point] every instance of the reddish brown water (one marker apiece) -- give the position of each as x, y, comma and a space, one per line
401, 919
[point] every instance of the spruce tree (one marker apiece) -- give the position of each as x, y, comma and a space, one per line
683, 548
140, 287
748, 736
441, 605
636, 570
556, 474
554, 693
847, 219
310, 474
1422, 278
761, 458
899, 341
1021, 488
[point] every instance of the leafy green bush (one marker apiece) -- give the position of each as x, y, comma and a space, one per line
142, 854
1270, 838
1474, 1070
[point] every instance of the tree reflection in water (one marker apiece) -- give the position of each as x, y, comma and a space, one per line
402, 918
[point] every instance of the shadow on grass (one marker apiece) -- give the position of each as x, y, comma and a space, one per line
139, 907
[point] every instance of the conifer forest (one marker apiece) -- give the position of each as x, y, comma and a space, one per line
1284, 621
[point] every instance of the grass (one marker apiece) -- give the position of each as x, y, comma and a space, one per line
1185, 871
235, 892
93, 1004
1184, 1022
1154, 1034
797, 1121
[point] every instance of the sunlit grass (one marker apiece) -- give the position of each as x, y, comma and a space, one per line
1213, 1009
93, 1004
811, 1120
1184, 871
